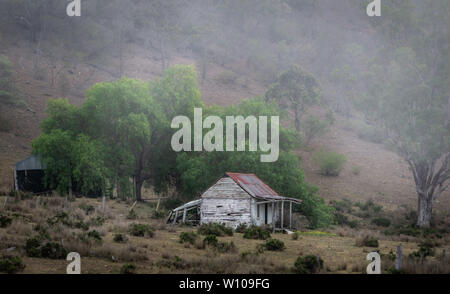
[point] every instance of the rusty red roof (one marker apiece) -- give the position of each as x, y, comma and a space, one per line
255, 187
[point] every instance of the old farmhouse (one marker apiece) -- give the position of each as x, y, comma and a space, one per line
238, 199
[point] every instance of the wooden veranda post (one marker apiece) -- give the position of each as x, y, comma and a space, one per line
273, 216
282, 214
184, 215
290, 214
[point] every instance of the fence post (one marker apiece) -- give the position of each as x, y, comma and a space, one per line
6, 201
398, 258
38, 200
443, 256
103, 203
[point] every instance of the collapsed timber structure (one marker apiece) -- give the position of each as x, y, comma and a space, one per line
237, 199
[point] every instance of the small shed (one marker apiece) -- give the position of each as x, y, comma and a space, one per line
29, 175
238, 198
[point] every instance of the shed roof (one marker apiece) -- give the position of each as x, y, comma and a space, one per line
257, 188
32, 162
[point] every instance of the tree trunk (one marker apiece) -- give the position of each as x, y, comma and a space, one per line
139, 184
425, 210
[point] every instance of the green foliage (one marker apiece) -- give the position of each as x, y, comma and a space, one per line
369, 206
226, 78
367, 241
210, 240
11, 264
128, 269
140, 230
314, 127
225, 247
95, 235
35, 247
215, 229
188, 237
381, 222
295, 89
120, 238
274, 245
241, 228
5, 221
257, 233
426, 248
342, 219
308, 264
330, 163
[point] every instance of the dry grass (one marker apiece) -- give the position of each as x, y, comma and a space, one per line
165, 254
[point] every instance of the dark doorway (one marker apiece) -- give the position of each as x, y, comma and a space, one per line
265, 213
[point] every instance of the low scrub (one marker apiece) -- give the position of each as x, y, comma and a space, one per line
330, 163
141, 230
308, 264
215, 229
256, 233
367, 241
11, 264
274, 245
128, 269
188, 237
381, 222
120, 238
5, 221
35, 247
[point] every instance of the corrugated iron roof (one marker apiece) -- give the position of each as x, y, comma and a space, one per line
255, 187
32, 162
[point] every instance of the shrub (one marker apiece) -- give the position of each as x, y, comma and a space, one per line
426, 248
95, 235
343, 205
120, 238
128, 269
342, 220
132, 215
140, 230
5, 221
295, 235
224, 247
256, 233
215, 229
309, 264
330, 163
210, 240
241, 228
356, 170
32, 247
87, 208
188, 237
274, 245
367, 241
97, 221
313, 127
369, 206
11, 264
158, 214
381, 222
53, 250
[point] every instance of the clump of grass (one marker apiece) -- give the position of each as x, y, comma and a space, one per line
330, 163
426, 248
215, 229
210, 240
132, 215
308, 264
141, 230
128, 269
274, 245
224, 247
241, 228
381, 222
256, 233
367, 241
5, 221
188, 237
95, 235
120, 238
11, 264
88, 209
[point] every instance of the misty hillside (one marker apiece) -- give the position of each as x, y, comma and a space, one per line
238, 48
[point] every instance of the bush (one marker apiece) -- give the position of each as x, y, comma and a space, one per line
215, 229
53, 250
309, 264
120, 238
128, 269
256, 233
367, 241
381, 222
426, 248
224, 247
313, 127
274, 245
188, 237
241, 228
32, 247
342, 220
11, 264
210, 240
141, 230
87, 208
356, 170
330, 163
5, 221
95, 235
